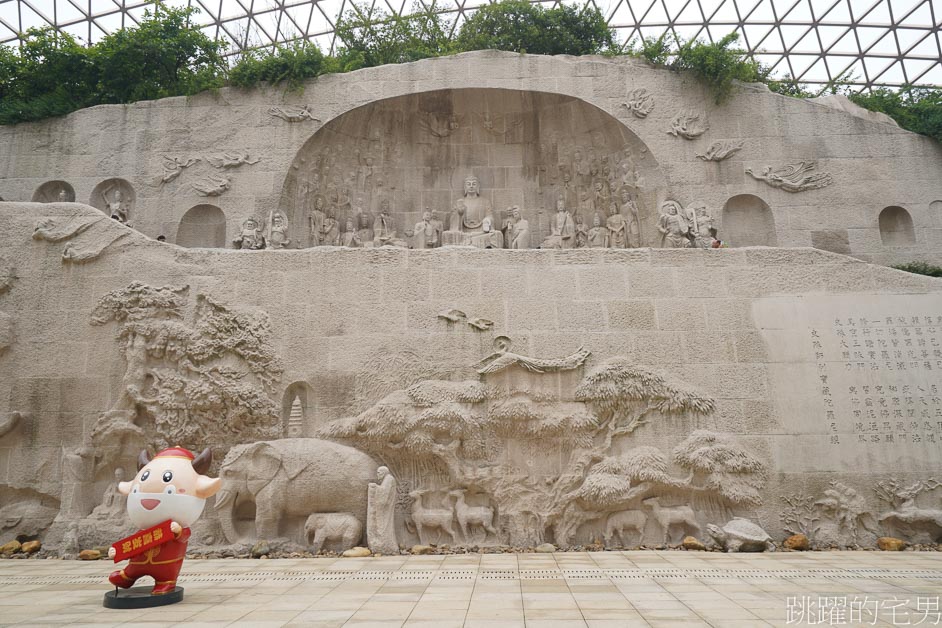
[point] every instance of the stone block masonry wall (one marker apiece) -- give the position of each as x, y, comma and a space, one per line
873, 165
754, 330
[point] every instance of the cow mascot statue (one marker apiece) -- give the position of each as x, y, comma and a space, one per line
164, 499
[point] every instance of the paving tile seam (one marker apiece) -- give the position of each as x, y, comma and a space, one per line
576, 575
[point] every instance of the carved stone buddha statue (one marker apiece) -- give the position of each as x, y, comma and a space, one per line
471, 214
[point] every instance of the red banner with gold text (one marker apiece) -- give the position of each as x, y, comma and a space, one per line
141, 541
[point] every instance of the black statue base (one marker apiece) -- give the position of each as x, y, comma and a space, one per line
140, 597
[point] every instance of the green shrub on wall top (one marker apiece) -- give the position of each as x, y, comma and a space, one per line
518, 26
920, 268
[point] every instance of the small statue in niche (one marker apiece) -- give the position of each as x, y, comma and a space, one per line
582, 233
113, 503
381, 514
278, 231
62, 196
117, 207
598, 235
425, 236
617, 226
250, 238
351, 238
675, 232
562, 229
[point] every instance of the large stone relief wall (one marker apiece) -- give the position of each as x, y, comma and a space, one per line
474, 398
415, 153
300, 165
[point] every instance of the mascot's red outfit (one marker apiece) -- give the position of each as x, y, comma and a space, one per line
162, 563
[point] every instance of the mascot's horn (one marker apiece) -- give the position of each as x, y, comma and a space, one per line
142, 459
202, 461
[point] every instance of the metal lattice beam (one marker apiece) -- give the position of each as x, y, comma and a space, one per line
867, 43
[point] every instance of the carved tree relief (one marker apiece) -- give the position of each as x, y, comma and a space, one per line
207, 377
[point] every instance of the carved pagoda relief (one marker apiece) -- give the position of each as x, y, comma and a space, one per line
464, 174
795, 177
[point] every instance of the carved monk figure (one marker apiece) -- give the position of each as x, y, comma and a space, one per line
673, 227
250, 238
425, 235
438, 226
629, 209
351, 237
317, 220
598, 235
381, 513
384, 230
364, 229
330, 230
562, 229
617, 228
519, 232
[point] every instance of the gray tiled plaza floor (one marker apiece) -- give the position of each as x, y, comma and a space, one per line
610, 589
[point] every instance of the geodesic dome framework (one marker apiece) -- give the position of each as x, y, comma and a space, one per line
866, 43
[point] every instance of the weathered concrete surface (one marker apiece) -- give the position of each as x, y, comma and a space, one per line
785, 359
874, 164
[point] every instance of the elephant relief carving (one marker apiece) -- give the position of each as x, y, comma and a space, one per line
289, 479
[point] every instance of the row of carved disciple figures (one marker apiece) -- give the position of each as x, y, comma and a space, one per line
471, 223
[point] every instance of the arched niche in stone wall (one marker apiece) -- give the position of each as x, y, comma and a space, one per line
297, 410
54, 192
202, 226
896, 227
747, 220
115, 197
526, 148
